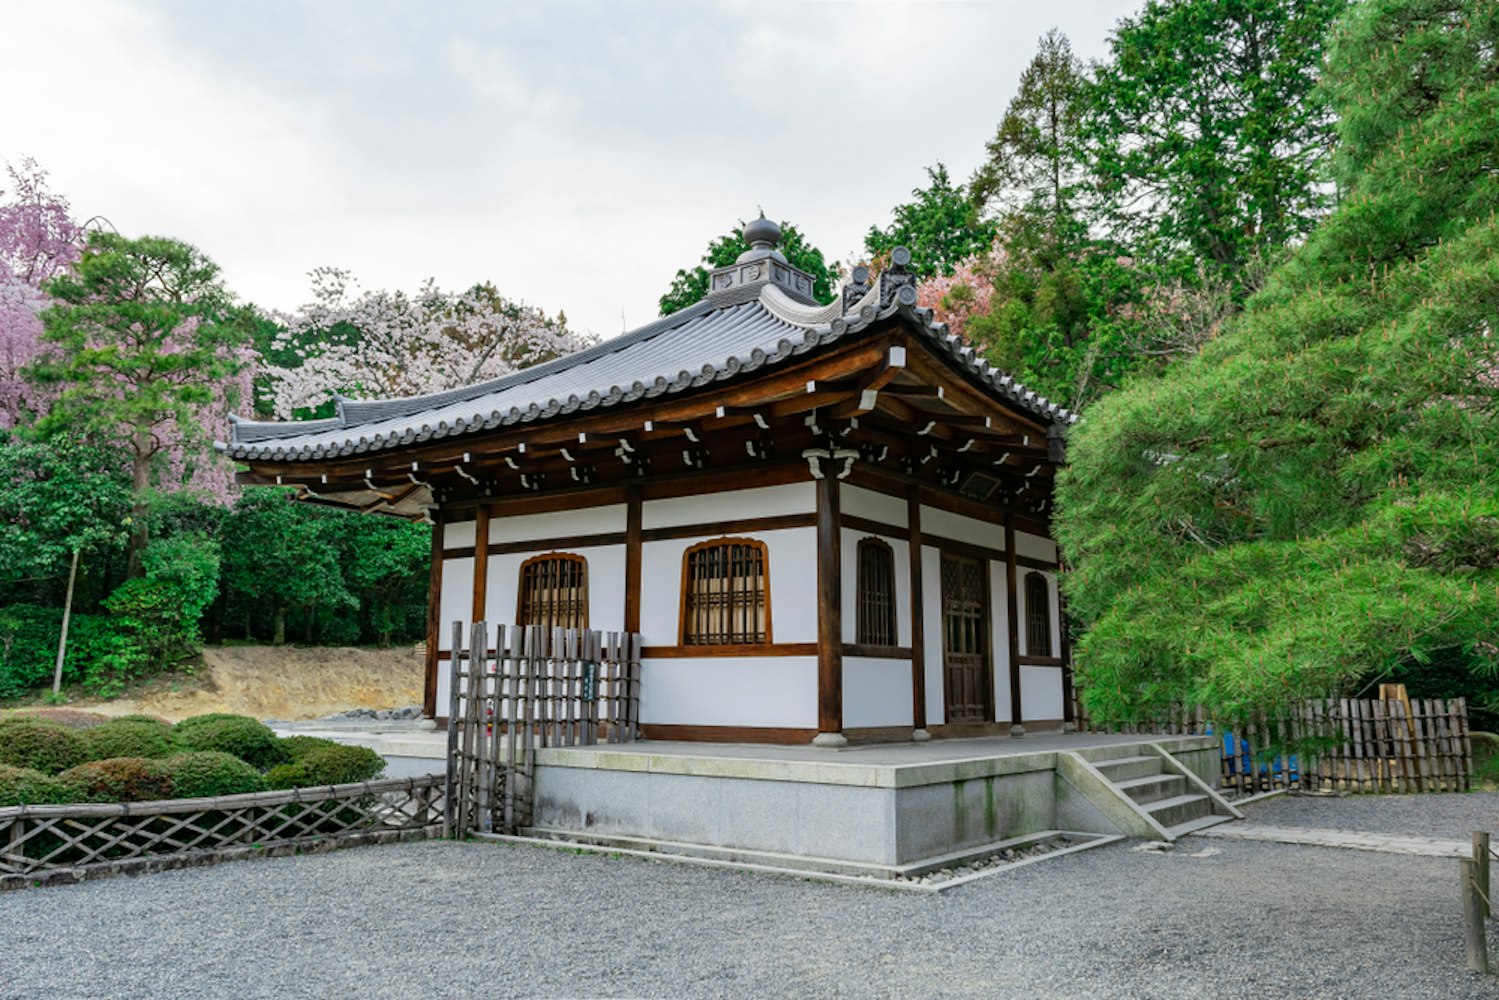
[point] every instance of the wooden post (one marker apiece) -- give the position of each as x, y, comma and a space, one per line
633, 521
1481, 870
1011, 612
481, 567
829, 611
1478, 947
434, 617
450, 787
918, 615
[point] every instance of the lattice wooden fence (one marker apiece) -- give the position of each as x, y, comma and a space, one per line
517, 688
38, 840
1344, 744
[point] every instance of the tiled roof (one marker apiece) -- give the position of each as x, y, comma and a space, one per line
737, 330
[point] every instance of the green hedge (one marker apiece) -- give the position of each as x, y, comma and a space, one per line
22, 786
298, 747
40, 746
120, 779
331, 765
240, 735
129, 738
205, 773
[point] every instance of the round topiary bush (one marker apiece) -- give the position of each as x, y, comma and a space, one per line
143, 717
120, 779
40, 746
330, 765
129, 738
207, 773
21, 786
239, 735
298, 747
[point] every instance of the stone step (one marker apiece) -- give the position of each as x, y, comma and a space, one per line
1153, 787
1119, 769
1179, 809
1193, 825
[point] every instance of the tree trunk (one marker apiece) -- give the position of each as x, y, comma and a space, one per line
140, 480
278, 638
67, 614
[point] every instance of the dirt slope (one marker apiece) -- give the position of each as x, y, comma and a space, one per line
285, 682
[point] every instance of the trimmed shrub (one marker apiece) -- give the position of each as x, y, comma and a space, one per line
22, 786
129, 738
331, 765
28, 646
41, 746
206, 773
120, 779
142, 717
240, 735
72, 718
298, 747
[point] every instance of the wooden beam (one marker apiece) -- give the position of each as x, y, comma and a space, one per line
481, 564
1014, 625
918, 615
829, 607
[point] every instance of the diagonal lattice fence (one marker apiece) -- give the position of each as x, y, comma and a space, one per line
36, 841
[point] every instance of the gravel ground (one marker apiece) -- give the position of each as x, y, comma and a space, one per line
1212, 919
1450, 816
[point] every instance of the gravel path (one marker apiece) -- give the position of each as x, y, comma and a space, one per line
1454, 817
436, 919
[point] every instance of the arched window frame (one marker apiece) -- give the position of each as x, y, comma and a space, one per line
525, 592
876, 620
1038, 616
690, 605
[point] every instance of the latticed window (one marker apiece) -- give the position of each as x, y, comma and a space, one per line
725, 597
875, 595
1037, 615
554, 591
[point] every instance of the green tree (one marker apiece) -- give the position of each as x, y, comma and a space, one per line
1207, 137
386, 564
941, 227
690, 286
143, 339
1313, 500
57, 499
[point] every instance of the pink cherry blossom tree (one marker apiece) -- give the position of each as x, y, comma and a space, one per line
379, 344
967, 292
38, 241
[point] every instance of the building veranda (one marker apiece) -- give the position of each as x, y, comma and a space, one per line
827, 523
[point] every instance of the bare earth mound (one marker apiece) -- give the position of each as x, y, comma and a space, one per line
282, 682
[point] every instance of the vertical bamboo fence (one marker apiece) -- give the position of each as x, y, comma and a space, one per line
515, 689
1345, 744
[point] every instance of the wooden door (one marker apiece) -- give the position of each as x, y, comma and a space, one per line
967, 682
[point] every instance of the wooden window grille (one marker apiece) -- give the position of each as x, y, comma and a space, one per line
726, 593
875, 596
554, 591
1037, 615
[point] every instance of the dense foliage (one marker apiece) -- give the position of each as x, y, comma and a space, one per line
330, 765
249, 740
1313, 501
24, 786
118, 779
202, 773
40, 746
129, 738
940, 226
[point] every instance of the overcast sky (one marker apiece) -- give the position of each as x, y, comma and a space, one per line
575, 154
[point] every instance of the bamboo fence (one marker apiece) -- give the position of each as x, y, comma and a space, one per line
1337, 744
514, 689
38, 841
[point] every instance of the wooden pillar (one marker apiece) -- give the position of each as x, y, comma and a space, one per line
1012, 620
434, 622
1069, 696
829, 612
918, 616
633, 515
481, 565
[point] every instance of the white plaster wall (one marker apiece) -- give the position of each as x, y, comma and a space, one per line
1035, 547
859, 502
876, 692
457, 602
999, 642
606, 586
772, 691
793, 585
849, 585
946, 524
557, 524
459, 535
1041, 693
732, 505
931, 608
